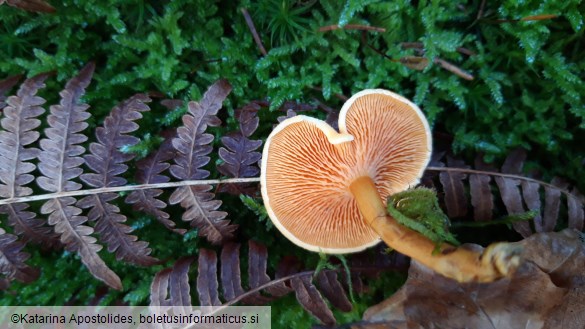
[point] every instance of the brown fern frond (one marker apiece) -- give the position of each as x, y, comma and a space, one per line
19, 126
481, 194
289, 114
239, 154
518, 194
59, 163
288, 278
39, 6
288, 270
455, 198
107, 162
12, 259
159, 289
192, 145
575, 210
311, 300
59, 160
149, 172
5, 86
65, 216
29, 227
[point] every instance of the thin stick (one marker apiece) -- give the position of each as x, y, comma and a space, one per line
249, 180
351, 27
338, 96
128, 188
481, 8
253, 30
525, 19
419, 45
378, 51
453, 69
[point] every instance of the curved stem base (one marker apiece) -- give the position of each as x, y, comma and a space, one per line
462, 264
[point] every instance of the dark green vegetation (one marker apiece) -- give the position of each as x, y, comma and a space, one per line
527, 90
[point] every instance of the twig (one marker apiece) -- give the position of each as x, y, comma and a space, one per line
253, 30
453, 69
376, 50
128, 188
352, 27
411, 45
339, 96
524, 19
324, 107
419, 45
480, 11
466, 51
247, 180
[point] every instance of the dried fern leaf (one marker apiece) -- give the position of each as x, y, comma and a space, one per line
149, 172
170, 287
455, 197
159, 294
179, 282
289, 114
311, 300
510, 191
12, 259
514, 162
552, 204
60, 160
192, 145
239, 154
257, 267
482, 199
5, 86
107, 162
65, 216
30, 228
575, 210
19, 124
162, 292
39, 6
59, 163
207, 285
231, 279
531, 195
330, 287
518, 193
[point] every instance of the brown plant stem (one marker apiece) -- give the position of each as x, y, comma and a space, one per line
252, 28
464, 265
453, 69
129, 188
116, 189
419, 45
351, 27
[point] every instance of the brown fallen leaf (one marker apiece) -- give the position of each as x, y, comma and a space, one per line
547, 291
39, 6
415, 62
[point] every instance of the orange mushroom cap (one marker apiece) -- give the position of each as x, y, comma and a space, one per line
307, 168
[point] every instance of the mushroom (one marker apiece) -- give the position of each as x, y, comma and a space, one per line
325, 190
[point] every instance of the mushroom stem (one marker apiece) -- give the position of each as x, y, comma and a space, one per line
462, 264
